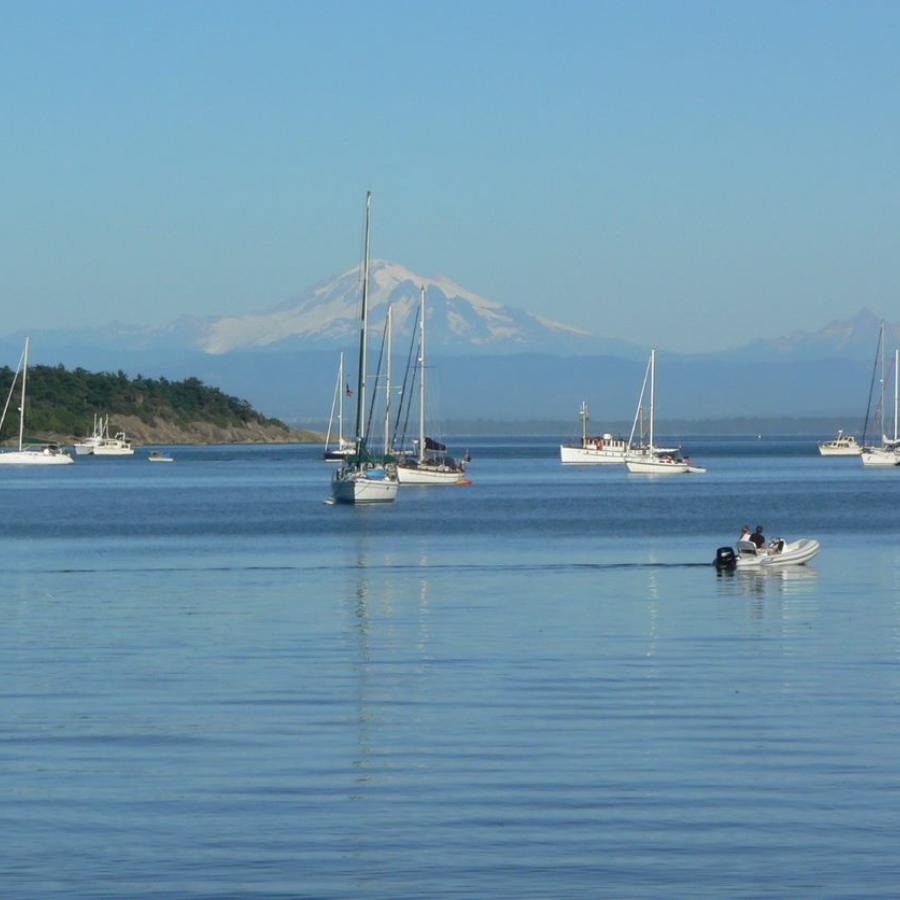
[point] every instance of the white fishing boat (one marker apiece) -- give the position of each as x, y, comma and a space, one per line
649, 459
431, 464
342, 448
593, 449
158, 456
36, 455
841, 445
776, 553
364, 478
118, 445
887, 454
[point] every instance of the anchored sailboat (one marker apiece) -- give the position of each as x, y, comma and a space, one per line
888, 454
649, 459
41, 455
431, 464
364, 478
343, 448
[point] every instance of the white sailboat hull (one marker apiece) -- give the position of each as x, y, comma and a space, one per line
879, 456
571, 454
427, 474
35, 458
648, 465
363, 486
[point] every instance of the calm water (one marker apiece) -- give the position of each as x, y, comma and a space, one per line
215, 685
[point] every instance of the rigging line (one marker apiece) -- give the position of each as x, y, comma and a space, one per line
869, 403
404, 395
12, 387
375, 385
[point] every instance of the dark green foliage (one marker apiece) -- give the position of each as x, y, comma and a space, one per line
64, 402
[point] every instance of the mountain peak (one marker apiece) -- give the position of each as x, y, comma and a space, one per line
325, 315
855, 337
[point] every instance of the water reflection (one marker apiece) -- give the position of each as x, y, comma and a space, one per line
385, 608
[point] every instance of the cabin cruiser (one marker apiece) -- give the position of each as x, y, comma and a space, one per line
777, 552
841, 445
604, 448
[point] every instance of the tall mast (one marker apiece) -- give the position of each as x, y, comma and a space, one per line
652, 391
22, 407
881, 343
639, 410
896, 385
387, 385
363, 322
584, 419
341, 402
422, 375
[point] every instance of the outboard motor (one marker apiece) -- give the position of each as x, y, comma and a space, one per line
725, 558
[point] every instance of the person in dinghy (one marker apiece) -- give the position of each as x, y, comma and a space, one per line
753, 552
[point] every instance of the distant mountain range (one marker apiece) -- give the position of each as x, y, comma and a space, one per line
490, 360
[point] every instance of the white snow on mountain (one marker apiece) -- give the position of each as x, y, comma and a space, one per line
328, 314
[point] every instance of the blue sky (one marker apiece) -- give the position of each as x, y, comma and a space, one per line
689, 174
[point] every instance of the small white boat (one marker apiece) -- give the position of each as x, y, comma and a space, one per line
159, 456
778, 552
39, 455
112, 446
593, 449
841, 445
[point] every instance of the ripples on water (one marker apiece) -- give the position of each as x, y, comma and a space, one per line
215, 685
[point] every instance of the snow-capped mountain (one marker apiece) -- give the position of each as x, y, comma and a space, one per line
855, 337
327, 315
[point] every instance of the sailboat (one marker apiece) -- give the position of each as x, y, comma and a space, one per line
364, 478
431, 464
42, 455
649, 459
343, 448
888, 454
86, 446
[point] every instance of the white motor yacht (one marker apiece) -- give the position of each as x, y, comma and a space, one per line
593, 449
841, 445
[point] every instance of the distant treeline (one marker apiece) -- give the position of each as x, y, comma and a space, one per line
61, 401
